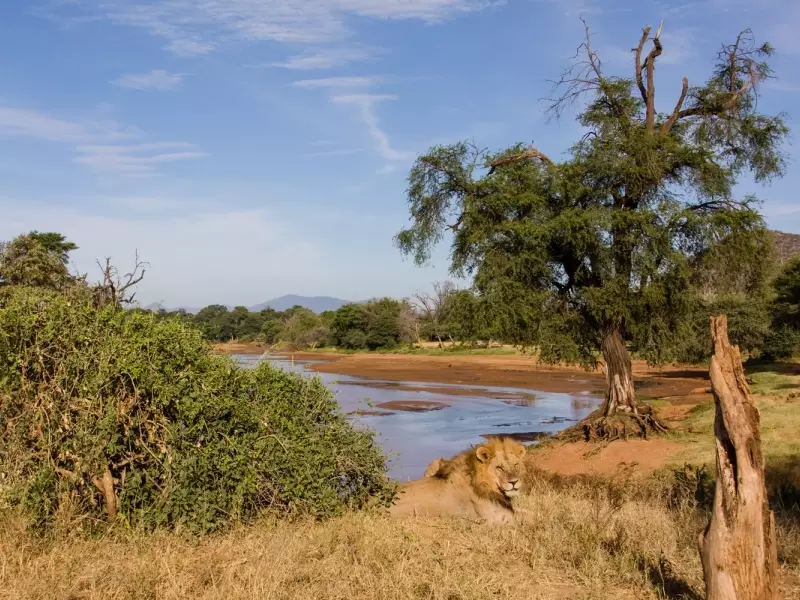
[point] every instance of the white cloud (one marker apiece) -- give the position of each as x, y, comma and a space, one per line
95, 142
326, 59
184, 267
339, 82
365, 103
20, 122
157, 79
141, 159
194, 27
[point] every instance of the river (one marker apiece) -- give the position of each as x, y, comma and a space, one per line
417, 422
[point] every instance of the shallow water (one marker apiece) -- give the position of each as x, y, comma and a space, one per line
417, 422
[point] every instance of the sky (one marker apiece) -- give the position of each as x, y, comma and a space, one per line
253, 148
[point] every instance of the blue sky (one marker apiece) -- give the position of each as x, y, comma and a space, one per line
252, 148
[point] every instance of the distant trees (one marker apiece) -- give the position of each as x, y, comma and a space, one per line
382, 323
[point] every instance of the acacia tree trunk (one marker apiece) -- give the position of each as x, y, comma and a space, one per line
620, 395
621, 415
737, 549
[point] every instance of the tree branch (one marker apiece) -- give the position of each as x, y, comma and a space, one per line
665, 128
650, 66
638, 63
583, 76
531, 152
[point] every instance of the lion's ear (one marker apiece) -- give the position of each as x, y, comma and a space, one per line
482, 453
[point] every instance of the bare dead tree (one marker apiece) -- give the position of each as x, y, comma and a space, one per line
738, 548
115, 289
408, 322
432, 306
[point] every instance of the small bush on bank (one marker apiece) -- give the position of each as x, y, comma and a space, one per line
191, 440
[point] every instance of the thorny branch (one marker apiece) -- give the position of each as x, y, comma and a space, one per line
114, 289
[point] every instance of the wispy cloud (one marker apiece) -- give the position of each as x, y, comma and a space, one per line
365, 104
96, 143
30, 123
140, 159
328, 58
193, 27
340, 82
157, 79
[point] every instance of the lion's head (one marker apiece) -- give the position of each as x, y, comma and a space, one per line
495, 468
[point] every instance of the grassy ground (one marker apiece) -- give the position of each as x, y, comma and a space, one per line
776, 390
630, 536
581, 539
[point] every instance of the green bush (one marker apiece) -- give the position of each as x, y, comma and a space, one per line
193, 441
780, 343
354, 339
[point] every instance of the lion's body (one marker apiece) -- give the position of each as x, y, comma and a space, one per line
477, 484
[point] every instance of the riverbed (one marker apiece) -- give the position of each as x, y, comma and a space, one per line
419, 421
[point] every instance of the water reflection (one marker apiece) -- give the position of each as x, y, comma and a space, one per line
421, 421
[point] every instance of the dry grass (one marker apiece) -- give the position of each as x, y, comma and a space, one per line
579, 540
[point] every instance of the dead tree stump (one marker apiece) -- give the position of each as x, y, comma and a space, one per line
737, 549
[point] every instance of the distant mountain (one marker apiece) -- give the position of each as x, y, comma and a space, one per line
316, 304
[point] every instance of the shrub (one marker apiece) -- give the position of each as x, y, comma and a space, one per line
355, 339
780, 343
192, 441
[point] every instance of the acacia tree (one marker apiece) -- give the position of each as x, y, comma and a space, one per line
598, 252
36, 259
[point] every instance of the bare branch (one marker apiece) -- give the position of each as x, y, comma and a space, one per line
638, 63
113, 288
650, 67
676, 113
741, 76
531, 152
583, 76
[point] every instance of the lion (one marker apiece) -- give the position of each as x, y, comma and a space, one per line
479, 483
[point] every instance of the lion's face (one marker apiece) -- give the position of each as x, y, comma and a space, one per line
501, 465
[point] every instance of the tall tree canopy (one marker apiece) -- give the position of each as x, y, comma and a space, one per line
605, 249
36, 259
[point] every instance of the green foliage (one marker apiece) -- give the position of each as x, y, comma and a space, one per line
193, 441
36, 259
780, 343
355, 339
748, 327
787, 296
624, 236
54, 243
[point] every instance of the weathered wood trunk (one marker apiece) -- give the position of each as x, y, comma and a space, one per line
620, 395
737, 549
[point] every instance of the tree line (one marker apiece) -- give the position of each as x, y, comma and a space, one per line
447, 315
764, 323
